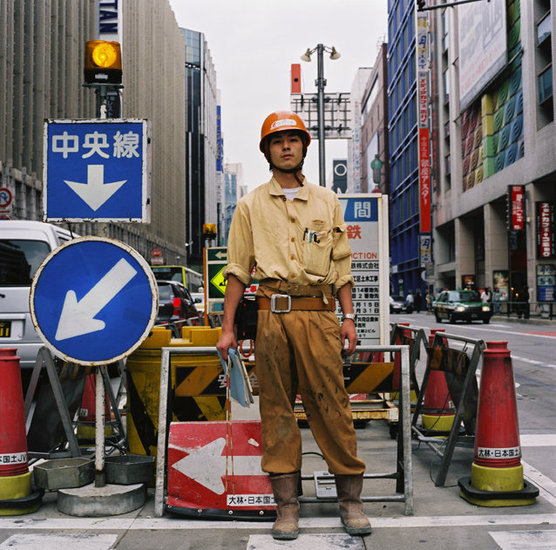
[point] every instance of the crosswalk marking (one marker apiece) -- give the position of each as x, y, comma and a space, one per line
46, 541
320, 542
532, 540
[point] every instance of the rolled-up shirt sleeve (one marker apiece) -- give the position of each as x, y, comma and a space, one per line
341, 251
241, 255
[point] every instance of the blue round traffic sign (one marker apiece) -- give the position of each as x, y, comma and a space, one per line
93, 300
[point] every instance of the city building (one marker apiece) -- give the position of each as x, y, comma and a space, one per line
202, 146
234, 190
405, 215
495, 194
374, 127
354, 144
42, 49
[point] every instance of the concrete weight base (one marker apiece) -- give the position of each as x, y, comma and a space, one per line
110, 500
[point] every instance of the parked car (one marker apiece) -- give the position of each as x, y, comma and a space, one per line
176, 307
23, 247
199, 301
461, 305
398, 304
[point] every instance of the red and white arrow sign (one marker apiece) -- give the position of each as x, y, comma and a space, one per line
203, 474
207, 465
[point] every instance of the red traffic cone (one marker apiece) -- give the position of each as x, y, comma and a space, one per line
497, 473
86, 420
438, 403
16, 496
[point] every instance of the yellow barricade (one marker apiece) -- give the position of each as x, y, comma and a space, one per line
197, 372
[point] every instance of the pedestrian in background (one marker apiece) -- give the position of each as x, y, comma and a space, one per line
418, 301
293, 233
410, 301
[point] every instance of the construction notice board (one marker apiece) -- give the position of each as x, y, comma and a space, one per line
366, 219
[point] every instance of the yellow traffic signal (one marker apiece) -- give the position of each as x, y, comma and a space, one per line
103, 62
209, 230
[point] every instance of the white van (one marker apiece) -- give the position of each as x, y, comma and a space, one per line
23, 247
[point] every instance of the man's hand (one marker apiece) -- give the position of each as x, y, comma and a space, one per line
347, 332
226, 341
234, 292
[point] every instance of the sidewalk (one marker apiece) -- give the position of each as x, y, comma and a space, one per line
442, 519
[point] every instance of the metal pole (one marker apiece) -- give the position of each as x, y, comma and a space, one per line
321, 83
100, 475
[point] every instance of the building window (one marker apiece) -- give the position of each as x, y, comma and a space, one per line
543, 63
545, 85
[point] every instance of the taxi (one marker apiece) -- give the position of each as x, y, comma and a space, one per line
461, 305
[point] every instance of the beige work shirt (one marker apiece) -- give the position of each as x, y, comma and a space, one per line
301, 241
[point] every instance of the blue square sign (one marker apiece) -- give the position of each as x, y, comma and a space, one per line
97, 170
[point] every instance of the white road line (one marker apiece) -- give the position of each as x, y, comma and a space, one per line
46, 541
532, 362
116, 524
547, 487
320, 542
532, 540
538, 440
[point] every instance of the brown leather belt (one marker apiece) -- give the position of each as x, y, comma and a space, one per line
283, 303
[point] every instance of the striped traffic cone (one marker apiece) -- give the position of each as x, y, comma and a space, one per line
438, 403
16, 493
497, 473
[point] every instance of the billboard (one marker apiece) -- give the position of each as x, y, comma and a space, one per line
482, 46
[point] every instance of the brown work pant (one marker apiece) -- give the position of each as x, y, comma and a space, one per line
300, 352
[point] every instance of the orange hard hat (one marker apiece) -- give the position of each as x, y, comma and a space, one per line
281, 121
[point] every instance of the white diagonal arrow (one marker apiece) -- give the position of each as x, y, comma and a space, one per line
78, 318
207, 466
95, 192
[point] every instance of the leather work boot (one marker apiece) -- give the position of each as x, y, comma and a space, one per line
284, 487
348, 488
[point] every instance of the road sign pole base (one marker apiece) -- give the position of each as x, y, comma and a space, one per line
110, 500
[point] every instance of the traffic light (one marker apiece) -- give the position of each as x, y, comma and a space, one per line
421, 4
209, 230
103, 62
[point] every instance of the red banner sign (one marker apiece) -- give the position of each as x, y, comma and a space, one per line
517, 197
425, 180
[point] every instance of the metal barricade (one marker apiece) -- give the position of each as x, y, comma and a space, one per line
462, 376
404, 468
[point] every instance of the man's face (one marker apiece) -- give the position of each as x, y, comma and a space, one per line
286, 150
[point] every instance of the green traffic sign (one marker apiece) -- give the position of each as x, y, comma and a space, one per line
217, 254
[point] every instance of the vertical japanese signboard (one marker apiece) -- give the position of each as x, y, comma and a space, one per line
545, 230
423, 93
517, 202
366, 219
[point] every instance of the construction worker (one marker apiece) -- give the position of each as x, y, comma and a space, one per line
293, 233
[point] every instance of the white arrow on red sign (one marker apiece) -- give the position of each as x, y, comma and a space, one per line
207, 465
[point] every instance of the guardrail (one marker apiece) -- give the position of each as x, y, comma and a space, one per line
404, 467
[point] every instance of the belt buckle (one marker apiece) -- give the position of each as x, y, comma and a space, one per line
273, 299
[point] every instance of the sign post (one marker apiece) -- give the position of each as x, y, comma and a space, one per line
93, 301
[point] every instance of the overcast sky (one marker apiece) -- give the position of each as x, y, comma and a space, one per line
253, 44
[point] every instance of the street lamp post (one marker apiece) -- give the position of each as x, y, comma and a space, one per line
320, 82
